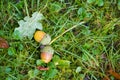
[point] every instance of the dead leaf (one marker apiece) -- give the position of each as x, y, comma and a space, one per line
28, 26
42, 68
106, 78
3, 43
115, 74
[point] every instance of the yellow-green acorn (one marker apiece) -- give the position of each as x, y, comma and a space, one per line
39, 35
42, 37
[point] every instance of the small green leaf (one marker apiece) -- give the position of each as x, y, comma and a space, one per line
11, 51
30, 73
1, 33
90, 1
96, 51
86, 31
7, 69
118, 4
16, 35
21, 47
8, 78
82, 76
100, 2
55, 7
20, 4
51, 73
78, 69
55, 58
84, 58
86, 46
88, 15
33, 73
39, 62
82, 13
36, 72
63, 63
51, 65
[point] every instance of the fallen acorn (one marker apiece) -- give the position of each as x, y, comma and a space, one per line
47, 54
42, 37
38, 36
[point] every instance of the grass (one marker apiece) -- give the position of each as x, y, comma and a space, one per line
93, 47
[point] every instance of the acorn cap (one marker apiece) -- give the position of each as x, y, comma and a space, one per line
48, 49
46, 39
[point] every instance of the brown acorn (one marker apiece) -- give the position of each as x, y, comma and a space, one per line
46, 54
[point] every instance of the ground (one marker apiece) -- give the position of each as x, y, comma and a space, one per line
87, 51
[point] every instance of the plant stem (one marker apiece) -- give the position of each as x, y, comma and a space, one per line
65, 32
26, 7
